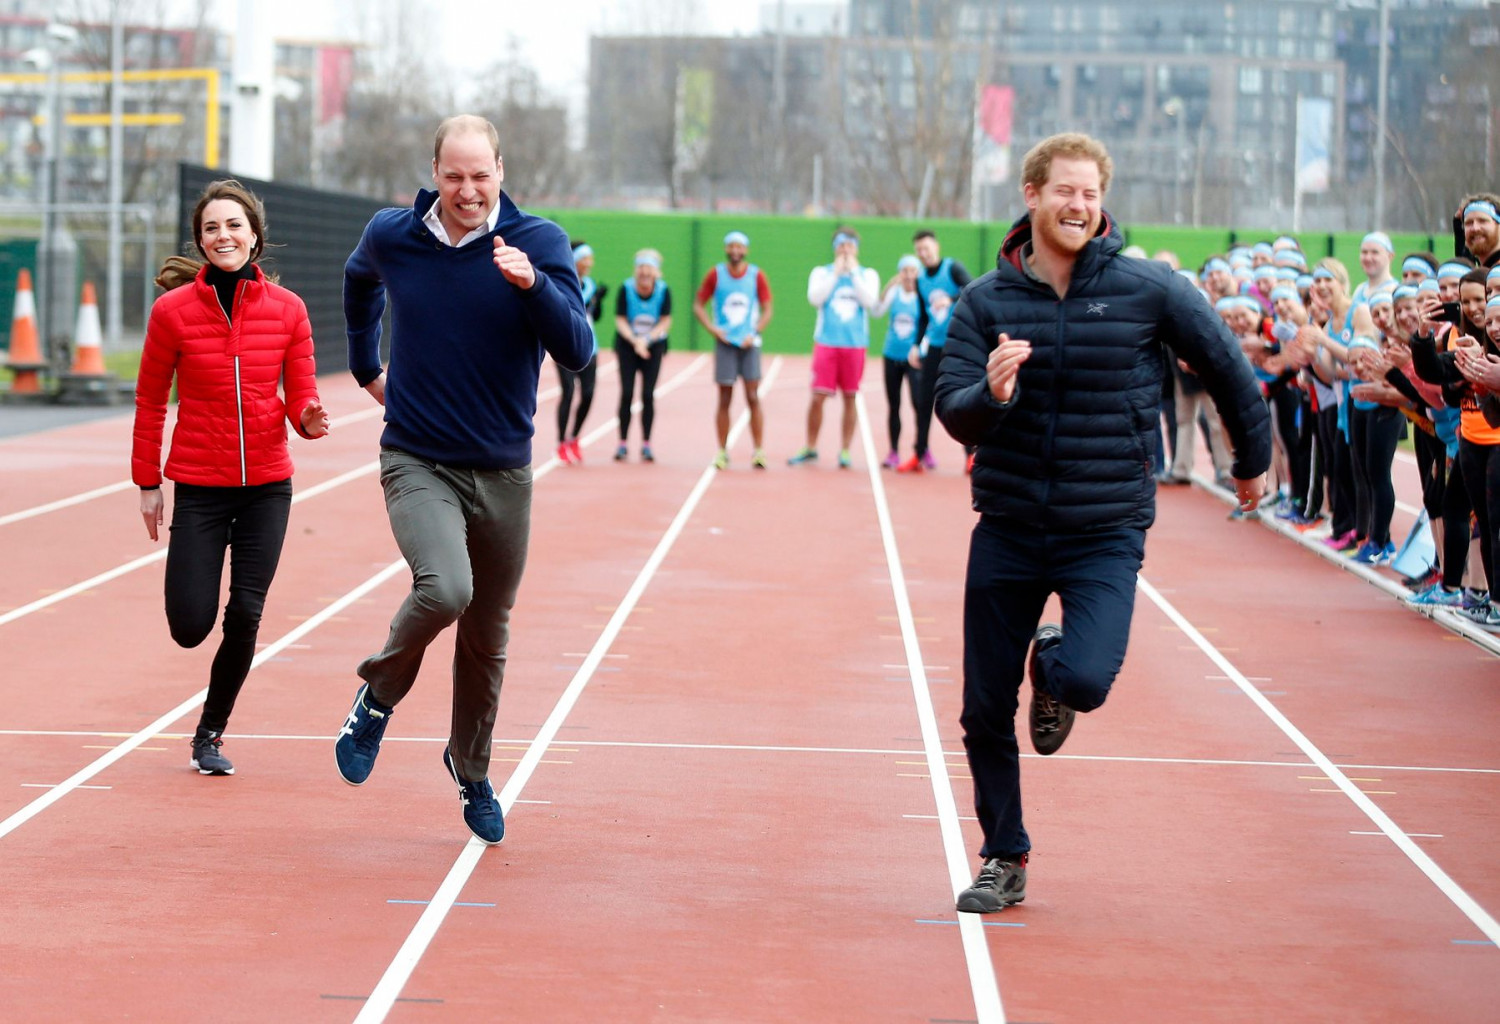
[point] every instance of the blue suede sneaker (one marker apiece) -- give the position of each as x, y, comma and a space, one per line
359, 739
481, 810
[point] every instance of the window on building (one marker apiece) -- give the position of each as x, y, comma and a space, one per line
1250, 81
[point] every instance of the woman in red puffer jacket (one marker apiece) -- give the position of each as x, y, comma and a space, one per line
229, 335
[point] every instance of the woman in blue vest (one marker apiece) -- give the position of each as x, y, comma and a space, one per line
593, 301
939, 282
903, 359
643, 316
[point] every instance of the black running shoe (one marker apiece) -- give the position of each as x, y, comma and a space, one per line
1001, 883
1051, 720
208, 756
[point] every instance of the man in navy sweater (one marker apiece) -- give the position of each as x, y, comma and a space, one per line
479, 291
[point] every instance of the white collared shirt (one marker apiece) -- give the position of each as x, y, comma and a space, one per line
435, 224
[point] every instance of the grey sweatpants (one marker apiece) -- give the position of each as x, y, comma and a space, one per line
464, 533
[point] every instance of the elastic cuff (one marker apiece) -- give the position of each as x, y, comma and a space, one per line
150, 487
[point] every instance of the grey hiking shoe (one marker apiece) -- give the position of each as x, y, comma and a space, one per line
1051, 720
208, 757
1001, 883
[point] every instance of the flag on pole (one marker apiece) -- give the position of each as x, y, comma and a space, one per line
992, 125
1314, 144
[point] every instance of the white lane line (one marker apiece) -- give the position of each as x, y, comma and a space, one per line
987, 1005
125, 485
1462, 900
141, 737
86, 773
399, 972
312, 492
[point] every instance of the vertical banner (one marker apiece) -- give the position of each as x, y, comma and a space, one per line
993, 115
694, 118
1314, 141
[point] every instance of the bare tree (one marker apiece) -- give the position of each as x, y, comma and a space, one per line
533, 128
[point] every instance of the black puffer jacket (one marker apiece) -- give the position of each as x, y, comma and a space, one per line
1071, 451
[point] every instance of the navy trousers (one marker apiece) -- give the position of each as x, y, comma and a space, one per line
1013, 569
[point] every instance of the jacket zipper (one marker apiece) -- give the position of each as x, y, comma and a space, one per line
239, 398
1053, 412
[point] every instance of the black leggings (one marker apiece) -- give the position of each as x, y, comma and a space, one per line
1337, 470
1374, 435
927, 396
1292, 415
630, 364
565, 380
1481, 469
897, 371
1456, 509
250, 522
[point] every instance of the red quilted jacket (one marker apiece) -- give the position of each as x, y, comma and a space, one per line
230, 430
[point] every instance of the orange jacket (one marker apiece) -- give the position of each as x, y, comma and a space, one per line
230, 430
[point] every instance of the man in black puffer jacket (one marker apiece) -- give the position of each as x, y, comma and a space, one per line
1053, 370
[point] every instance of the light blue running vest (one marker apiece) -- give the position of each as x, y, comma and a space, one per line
901, 332
644, 314
835, 330
939, 293
736, 302
590, 289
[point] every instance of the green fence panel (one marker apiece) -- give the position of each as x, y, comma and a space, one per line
1192, 245
15, 253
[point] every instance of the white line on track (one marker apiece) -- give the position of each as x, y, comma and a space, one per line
139, 738
1482, 920
987, 1005
311, 492
388, 989
125, 485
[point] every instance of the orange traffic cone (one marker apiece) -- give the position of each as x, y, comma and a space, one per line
88, 338
25, 359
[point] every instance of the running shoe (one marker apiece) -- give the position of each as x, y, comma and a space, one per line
1475, 598
564, 453
845, 459
1309, 523
758, 459
481, 810
721, 460
1340, 542
646, 455
1486, 616
621, 452
208, 756
1050, 719
803, 457
1423, 581
1366, 553
1386, 555
911, 465
1001, 883
928, 462
359, 739
1436, 596
1239, 514
892, 461
576, 451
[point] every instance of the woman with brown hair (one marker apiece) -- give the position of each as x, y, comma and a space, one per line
229, 335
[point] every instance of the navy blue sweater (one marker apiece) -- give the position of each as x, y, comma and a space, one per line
466, 344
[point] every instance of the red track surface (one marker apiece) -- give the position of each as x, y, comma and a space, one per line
734, 822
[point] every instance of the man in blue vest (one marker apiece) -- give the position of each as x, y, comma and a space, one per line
939, 283
843, 292
741, 298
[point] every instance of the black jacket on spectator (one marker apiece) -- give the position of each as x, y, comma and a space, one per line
1071, 451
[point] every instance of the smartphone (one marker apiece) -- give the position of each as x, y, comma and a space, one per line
1450, 314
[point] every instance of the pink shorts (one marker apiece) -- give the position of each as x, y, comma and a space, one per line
837, 369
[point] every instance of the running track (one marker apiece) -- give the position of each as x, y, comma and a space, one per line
729, 750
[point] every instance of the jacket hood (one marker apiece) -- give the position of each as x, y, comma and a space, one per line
1107, 241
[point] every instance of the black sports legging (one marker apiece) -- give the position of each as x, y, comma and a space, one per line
1374, 435
630, 364
585, 380
250, 524
1337, 470
897, 371
1456, 509
1481, 469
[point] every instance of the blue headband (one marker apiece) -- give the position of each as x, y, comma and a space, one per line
1428, 285
1322, 274
580, 251
908, 261
1381, 239
1263, 249
1448, 271
1185, 272
1292, 258
1483, 206
1405, 291
1284, 292
1215, 264
1304, 281
840, 238
1418, 264
1494, 273
644, 260
1240, 250
1379, 298
737, 236
1360, 341
1264, 270
1494, 303
1286, 273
